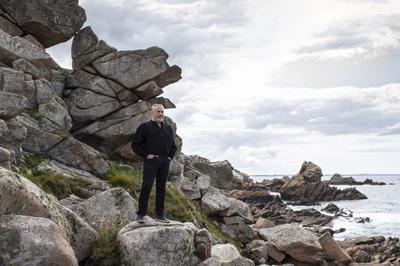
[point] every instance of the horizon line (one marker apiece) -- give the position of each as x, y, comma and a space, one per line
323, 174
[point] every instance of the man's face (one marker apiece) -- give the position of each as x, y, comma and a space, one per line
157, 114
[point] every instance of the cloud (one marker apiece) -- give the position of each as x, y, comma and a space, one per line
392, 130
362, 52
360, 71
331, 111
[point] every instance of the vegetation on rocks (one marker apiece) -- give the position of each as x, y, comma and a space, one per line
125, 176
55, 184
105, 249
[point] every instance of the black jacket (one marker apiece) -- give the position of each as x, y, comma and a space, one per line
151, 139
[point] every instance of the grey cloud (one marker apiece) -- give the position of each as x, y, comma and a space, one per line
393, 131
349, 34
344, 42
337, 116
367, 1
373, 56
363, 71
132, 26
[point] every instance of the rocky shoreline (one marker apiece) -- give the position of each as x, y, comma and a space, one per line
69, 180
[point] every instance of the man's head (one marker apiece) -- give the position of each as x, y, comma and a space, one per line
157, 113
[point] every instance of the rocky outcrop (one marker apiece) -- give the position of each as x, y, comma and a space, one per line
271, 207
13, 138
77, 154
27, 240
155, 243
13, 49
81, 236
11, 105
374, 250
104, 93
190, 189
107, 210
20, 196
293, 240
214, 202
222, 174
309, 172
5, 157
232, 215
86, 48
226, 254
333, 250
49, 23
273, 184
338, 179
56, 168
306, 187
311, 192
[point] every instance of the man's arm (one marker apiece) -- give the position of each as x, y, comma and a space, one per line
173, 146
139, 140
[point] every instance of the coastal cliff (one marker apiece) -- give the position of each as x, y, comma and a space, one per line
69, 180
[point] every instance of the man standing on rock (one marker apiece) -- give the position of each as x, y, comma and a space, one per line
154, 142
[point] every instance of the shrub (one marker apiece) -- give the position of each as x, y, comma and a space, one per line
58, 185
125, 176
105, 249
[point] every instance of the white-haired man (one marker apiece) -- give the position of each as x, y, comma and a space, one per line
154, 142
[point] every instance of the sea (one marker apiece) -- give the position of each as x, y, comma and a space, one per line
382, 206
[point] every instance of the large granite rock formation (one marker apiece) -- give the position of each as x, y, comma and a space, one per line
106, 210
155, 243
5, 158
294, 240
37, 62
19, 196
11, 105
226, 254
222, 174
306, 187
27, 240
49, 22
110, 93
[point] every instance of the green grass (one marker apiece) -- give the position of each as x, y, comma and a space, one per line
55, 184
105, 249
125, 176
32, 161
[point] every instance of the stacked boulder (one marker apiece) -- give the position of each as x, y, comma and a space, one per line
33, 116
221, 173
42, 23
110, 92
307, 188
295, 244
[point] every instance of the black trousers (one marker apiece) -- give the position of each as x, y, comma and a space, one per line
156, 168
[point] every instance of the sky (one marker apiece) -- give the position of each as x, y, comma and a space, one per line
268, 84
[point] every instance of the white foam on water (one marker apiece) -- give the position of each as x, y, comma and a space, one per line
382, 207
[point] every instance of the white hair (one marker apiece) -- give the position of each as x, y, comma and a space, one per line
156, 105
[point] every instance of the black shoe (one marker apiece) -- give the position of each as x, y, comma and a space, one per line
162, 219
140, 218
